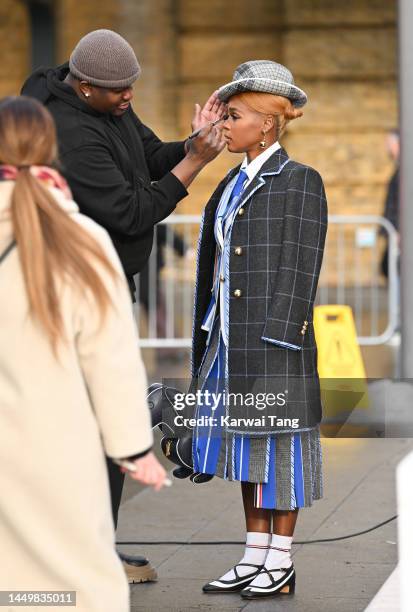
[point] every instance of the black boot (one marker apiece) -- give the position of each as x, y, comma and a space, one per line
138, 569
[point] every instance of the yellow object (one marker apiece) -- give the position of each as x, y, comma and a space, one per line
340, 363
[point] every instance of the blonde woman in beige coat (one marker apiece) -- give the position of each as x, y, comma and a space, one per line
72, 383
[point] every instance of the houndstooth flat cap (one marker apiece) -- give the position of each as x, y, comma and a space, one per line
263, 76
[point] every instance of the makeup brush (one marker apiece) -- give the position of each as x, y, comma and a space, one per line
195, 134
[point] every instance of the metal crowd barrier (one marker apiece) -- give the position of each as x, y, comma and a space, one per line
350, 275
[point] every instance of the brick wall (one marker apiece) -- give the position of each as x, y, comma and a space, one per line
14, 46
342, 54
75, 18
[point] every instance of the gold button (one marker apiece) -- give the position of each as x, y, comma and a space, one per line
302, 332
238, 251
241, 211
237, 293
306, 323
222, 278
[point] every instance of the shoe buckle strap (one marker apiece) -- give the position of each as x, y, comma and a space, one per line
277, 569
257, 567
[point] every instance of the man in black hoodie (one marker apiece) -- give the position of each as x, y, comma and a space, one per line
120, 173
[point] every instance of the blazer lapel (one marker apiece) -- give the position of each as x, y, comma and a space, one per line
272, 166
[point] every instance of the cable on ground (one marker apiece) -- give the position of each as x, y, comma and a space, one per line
231, 543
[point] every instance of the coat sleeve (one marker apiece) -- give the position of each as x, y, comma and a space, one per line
304, 233
112, 367
104, 194
160, 156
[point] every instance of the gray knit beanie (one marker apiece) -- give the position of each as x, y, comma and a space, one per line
105, 59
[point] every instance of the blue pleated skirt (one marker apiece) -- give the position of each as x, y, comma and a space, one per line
286, 468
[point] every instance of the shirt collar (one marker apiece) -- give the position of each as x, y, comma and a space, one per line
252, 168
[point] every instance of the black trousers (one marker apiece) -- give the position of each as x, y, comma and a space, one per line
116, 480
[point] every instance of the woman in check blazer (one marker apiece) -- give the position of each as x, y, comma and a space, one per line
259, 257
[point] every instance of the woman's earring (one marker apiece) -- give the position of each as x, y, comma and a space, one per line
263, 142
86, 95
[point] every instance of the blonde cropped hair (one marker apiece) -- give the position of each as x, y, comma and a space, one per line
279, 107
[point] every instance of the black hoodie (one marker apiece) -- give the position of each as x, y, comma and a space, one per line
110, 164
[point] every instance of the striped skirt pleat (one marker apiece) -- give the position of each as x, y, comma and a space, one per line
285, 468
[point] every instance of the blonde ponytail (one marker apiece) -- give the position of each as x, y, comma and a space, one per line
52, 246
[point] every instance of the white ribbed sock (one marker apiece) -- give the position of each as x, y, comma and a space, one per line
279, 555
256, 549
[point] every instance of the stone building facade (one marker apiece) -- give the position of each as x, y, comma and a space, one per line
342, 53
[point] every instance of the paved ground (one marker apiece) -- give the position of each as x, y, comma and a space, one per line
388, 598
343, 576
338, 576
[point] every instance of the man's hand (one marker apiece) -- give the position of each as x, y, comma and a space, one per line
213, 109
205, 147
199, 151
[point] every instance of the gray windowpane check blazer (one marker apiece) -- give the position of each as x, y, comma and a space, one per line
276, 251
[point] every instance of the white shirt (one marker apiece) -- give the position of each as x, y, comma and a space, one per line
256, 164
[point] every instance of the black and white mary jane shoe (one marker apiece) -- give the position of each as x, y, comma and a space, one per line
238, 583
283, 586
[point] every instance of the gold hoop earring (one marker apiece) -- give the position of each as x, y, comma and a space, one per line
263, 142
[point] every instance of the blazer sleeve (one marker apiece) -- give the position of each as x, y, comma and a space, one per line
112, 366
303, 239
104, 194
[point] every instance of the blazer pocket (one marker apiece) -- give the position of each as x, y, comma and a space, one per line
281, 344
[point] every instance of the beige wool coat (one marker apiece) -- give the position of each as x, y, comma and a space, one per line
57, 421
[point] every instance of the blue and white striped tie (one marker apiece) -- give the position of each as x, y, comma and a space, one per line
221, 218
234, 197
